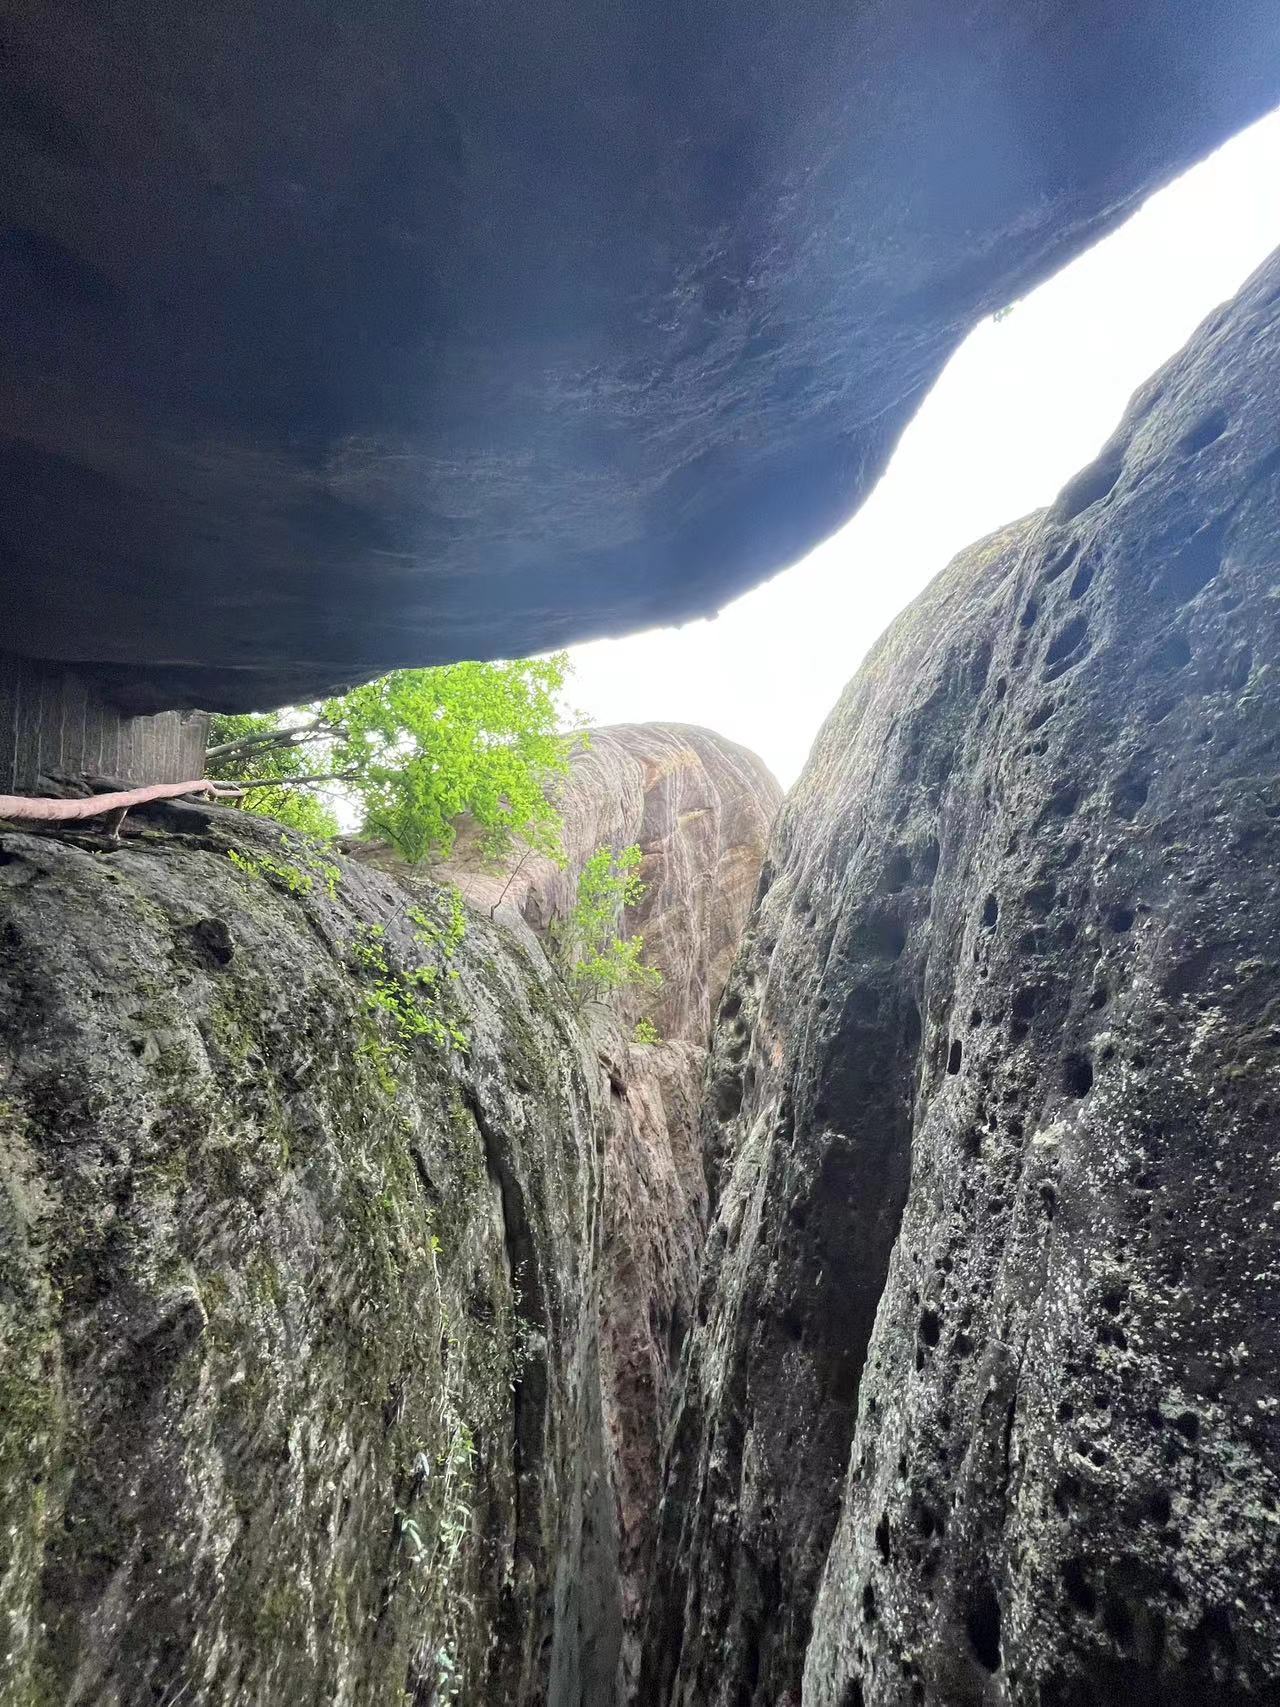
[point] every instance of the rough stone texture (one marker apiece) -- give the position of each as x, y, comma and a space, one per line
252, 1291
54, 725
257, 1273
988, 1333
700, 808
655, 1207
342, 337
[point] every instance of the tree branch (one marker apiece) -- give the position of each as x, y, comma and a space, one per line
247, 784
515, 872
63, 811
316, 730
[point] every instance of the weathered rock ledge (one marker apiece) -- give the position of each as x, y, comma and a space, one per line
348, 337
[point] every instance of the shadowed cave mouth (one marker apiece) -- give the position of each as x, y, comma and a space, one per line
982, 449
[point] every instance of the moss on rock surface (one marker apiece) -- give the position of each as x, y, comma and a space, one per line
298, 1354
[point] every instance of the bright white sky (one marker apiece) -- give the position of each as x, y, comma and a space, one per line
1020, 407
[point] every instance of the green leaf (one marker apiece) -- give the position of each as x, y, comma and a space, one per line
414, 751
600, 960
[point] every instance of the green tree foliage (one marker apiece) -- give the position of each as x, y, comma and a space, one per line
598, 958
259, 755
414, 750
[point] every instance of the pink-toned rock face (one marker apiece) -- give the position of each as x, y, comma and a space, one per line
699, 808
655, 1211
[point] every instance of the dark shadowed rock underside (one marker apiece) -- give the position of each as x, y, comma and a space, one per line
981, 1404
343, 337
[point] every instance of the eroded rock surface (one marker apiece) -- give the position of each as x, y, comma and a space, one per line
335, 1360
980, 1405
700, 809
347, 337
298, 1326
655, 1208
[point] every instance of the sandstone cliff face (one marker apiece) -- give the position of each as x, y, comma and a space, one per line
298, 1325
654, 1218
980, 1403
700, 808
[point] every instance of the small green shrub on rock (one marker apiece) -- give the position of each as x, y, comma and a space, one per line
298, 877
598, 959
411, 1003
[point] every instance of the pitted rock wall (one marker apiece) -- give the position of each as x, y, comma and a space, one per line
980, 1402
